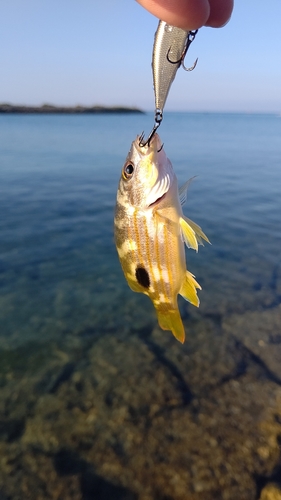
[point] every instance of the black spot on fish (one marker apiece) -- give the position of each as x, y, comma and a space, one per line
142, 277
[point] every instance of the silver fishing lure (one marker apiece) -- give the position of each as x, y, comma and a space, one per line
170, 47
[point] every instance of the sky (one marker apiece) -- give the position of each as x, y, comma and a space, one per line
87, 52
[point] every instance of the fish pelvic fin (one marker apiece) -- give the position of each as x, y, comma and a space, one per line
199, 234
171, 320
189, 289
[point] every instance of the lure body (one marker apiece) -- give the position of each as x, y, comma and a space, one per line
150, 231
169, 50
169, 47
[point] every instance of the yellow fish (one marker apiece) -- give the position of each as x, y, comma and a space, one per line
150, 232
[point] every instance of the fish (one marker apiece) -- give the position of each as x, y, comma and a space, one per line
151, 232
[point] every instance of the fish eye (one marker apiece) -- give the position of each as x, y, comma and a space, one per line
128, 171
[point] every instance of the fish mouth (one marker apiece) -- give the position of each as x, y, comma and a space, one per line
154, 145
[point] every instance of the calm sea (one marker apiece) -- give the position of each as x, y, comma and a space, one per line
58, 181
61, 285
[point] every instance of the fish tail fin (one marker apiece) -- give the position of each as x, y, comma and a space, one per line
171, 320
188, 289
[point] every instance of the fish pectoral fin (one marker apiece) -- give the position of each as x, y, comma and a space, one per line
171, 320
188, 289
183, 190
171, 225
200, 235
188, 234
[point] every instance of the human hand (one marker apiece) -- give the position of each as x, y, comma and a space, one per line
190, 14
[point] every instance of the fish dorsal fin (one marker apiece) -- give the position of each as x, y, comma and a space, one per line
200, 235
188, 289
188, 234
183, 190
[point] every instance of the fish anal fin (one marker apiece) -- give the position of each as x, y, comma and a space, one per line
188, 234
200, 235
171, 320
188, 289
135, 286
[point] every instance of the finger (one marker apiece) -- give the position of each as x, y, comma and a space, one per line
220, 12
188, 14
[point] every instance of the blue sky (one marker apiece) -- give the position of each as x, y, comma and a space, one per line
99, 52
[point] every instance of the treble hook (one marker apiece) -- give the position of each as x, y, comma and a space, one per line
190, 38
157, 121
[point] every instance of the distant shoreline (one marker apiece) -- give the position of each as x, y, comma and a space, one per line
50, 109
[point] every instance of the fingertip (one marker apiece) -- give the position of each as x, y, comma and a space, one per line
220, 13
188, 15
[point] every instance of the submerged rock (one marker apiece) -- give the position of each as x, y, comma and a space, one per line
142, 417
271, 492
260, 333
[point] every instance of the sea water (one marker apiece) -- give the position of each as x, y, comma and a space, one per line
58, 182
63, 293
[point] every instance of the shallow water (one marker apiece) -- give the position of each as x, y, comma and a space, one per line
67, 315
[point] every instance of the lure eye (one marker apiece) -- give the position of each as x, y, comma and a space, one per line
128, 171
